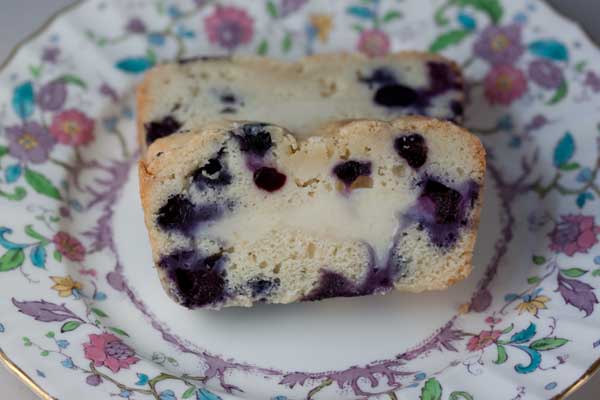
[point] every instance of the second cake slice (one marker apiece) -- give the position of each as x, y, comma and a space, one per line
299, 96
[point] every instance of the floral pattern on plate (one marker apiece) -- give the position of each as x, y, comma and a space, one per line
70, 310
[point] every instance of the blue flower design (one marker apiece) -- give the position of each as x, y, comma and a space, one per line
68, 363
63, 344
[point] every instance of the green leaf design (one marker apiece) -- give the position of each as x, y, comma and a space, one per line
502, 355
432, 390
580, 66
573, 272
50, 334
440, 17
44, 353
41, 184
57, 256
73, 80
32, 233
99, 312
460, 395
286, 44
12, 259
263, 47
508, 329
448, 39
18, 195
548, 344
35, 71
26, 341
3, 151
70, 326
561, 93
570, 166
118, 331
493, 8
272, 9
189, 392
391, 16
532, 280
538, 260
358, 28
596, 272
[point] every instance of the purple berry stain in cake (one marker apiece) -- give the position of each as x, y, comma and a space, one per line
269, 179
162, 128
442, 211
180, 214
198, 281
412, 148
350, 171
331, 284
442, 78
263, 287
254, 139
213, 174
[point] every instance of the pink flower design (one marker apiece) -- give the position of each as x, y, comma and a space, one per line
229, 27
69, 246
504, 84
72, 127
109, 351
483, 340
574, 234
374, 43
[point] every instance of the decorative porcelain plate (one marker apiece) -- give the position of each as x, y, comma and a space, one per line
82, 313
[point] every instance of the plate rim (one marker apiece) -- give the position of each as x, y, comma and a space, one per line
35, 387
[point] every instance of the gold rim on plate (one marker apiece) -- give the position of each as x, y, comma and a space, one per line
38, 390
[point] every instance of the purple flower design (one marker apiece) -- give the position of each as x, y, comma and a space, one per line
29, 142
592, 80
290, 6
135, 25
545, 73
500, 45
229, 27
52, 96
50, 54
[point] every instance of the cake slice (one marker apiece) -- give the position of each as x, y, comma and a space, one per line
300, 96
244, 212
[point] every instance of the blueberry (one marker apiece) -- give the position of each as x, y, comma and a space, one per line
442, 78
332, 284
180, 214
457, 109
228, 98
446, 202
212, 174
198, 281
269, 179
349, 171
255, 139
412, 148
396, 95
177, 214
262, 287
158, 129
379, 77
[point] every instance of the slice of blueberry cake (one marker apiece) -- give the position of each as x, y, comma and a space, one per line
300, 96
241, 212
